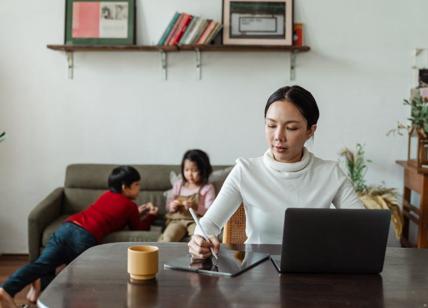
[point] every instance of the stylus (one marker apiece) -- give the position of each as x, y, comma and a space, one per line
195, 218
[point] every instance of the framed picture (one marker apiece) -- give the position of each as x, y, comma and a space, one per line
258, 22
103, 22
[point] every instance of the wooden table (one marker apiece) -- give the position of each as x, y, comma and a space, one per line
98, 278
415, 179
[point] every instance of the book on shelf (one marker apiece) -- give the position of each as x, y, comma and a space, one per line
210, 27
184, 22
189, 29
168, 29
213, 33
199, 28
197, 31
298, 34
174, 29
186, 29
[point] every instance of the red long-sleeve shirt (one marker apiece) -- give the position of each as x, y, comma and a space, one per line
111, 212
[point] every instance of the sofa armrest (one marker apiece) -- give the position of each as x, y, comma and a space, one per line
40, 217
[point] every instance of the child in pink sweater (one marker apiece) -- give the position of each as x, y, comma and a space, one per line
193, 191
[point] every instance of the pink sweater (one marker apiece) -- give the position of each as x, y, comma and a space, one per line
206, 195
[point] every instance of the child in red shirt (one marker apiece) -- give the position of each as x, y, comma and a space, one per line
111, 212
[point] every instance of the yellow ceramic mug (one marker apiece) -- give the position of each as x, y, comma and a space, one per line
142, 262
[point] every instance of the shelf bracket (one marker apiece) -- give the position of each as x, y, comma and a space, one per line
70, 64
293, 56
198, 63
164, 65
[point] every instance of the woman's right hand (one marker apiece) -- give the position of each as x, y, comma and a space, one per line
173, 206
199, 247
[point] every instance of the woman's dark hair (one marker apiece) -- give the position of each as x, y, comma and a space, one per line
202, 162
122, 175
299, 97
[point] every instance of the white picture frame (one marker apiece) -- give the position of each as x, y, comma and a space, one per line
258, 22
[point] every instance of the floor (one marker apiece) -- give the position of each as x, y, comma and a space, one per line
8, 264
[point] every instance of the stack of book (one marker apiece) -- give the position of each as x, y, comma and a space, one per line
186, 29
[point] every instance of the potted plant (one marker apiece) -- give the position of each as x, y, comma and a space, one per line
373, 196
417, 147
2, 135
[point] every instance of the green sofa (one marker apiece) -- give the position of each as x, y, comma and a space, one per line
84, 183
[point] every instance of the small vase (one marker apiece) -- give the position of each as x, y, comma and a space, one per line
417, 149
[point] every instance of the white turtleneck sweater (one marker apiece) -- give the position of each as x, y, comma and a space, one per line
267, 187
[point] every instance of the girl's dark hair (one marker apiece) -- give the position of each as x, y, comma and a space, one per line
299, 97
202, 162
122, 175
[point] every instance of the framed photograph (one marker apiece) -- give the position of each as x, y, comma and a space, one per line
103, 22
258, 22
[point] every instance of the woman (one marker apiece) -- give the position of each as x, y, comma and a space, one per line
287, 175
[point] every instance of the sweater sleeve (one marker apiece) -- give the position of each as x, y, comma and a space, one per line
208, 194
346, 196
225, 205
135, 223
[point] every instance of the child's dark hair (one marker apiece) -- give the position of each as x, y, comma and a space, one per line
122, 175
202, 162
299, 97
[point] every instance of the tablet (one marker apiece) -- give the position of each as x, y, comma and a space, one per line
229, 263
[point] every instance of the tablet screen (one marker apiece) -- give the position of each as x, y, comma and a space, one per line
229, 263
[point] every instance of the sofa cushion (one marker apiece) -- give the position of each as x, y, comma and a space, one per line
94, 176
51, 228
78, 199
218, 177
151, 235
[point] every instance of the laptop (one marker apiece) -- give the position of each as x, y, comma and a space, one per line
351, 241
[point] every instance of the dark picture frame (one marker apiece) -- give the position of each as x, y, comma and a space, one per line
258, 22
100, 22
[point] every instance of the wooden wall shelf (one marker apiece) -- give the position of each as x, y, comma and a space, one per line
70, 49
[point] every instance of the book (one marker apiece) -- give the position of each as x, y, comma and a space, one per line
194, 33
200, 31
207, 31
189, 29
187, 18
213, 33
168, 29
298, 34
174, 29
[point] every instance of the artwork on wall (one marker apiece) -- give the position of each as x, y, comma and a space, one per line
258, 22
105, 22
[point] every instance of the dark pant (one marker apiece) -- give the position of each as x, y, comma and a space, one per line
64, 246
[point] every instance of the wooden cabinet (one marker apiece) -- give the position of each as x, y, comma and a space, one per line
415, 179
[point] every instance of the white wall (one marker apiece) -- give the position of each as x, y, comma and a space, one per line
119, 110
